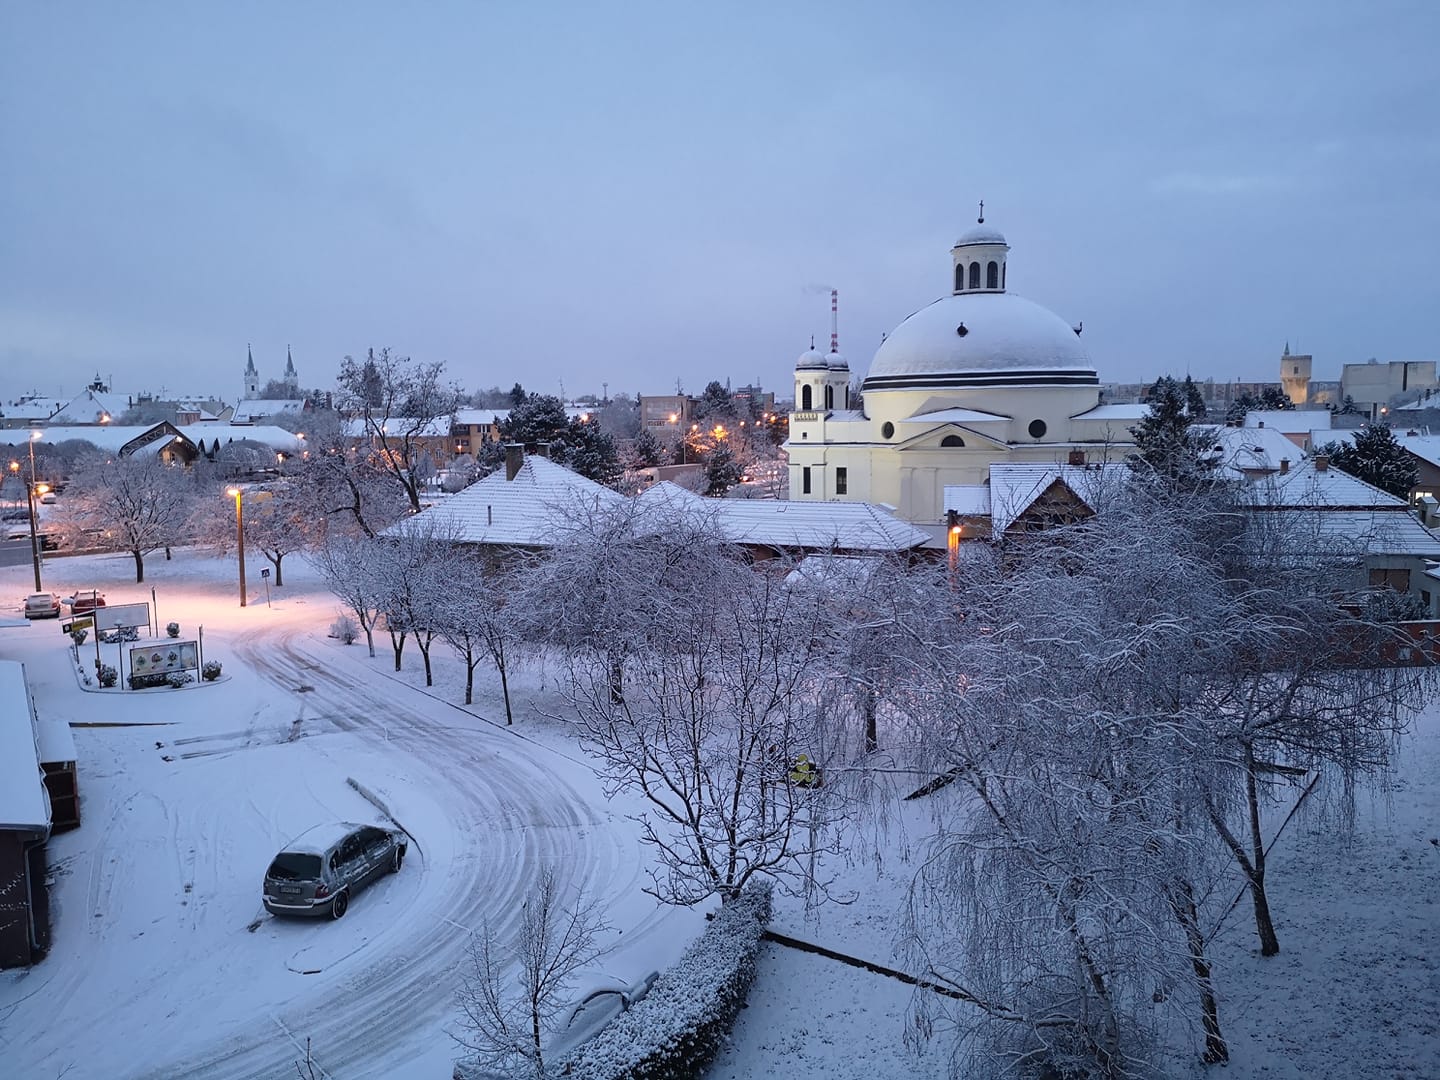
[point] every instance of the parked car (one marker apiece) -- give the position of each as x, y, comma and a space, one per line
319, 871
82, 602
601, 1003
48, 498
42, 605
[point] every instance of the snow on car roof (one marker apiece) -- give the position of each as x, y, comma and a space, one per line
24, 805
321, 838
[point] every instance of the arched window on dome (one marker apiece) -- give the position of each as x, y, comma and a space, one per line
959, 277
829, 397
952, 440
974, 275
992, 275
805, 399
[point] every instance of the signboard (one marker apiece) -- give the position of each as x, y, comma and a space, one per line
77, 624
119, 615
163, 659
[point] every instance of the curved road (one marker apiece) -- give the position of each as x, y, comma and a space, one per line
509, 816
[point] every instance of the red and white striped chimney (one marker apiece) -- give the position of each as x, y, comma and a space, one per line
834, 320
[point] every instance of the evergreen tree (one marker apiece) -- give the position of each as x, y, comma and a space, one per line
1376, 457
722, 471
1166, 449
715, 402
647, 449
537, 418
588, 450
1194, 401
517, 396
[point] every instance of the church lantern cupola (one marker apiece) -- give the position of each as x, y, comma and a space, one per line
978, 259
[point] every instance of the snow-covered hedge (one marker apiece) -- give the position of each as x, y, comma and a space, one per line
675, 1031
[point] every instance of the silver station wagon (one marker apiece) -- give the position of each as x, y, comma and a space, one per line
321, 869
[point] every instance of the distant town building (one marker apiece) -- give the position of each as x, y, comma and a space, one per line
290, 379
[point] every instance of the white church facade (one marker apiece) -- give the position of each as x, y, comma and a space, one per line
979, 377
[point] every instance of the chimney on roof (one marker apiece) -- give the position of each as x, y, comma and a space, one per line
1322, 462
1259, 423
542, 450
514, 458
1077, 457
1284, 465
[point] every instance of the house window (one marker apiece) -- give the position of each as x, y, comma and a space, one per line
992, 276
974, 275
805, 480
960, 277
805, 399
842, 481
1399, 580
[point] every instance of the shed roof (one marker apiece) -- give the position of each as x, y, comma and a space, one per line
24, 806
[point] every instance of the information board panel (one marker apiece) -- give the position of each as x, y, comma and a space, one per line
163, 659
119, 615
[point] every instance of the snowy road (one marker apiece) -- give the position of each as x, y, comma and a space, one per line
164, 963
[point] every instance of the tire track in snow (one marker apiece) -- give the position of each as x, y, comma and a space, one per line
365, 1021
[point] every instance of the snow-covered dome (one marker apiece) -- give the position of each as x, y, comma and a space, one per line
981, 339
835, 362
981, 234
812, 359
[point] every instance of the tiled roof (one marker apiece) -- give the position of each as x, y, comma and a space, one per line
1014, 487
1306, 486
530, 511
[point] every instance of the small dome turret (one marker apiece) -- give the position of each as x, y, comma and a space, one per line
812, 359
978, 259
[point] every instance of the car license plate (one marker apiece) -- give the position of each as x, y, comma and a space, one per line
290, 890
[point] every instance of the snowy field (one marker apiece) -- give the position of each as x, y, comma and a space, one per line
165, 965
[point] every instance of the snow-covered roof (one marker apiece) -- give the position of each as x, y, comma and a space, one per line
812, 359
981, 234
1007, 341
91, 407
1328, 435
57, 741
1375, 532
486, 417
321, 838
24, 806
1248, 450
32, 409
840, 526
276, 438
1134, 410
108, 437
528, 511
968, 500
832, 571
1289, 421
1014, 487
1306, 486
1424, 447
953, 416
253, 408
438, 427
778, 523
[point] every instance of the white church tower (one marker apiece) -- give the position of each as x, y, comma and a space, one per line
822, 383
252, 377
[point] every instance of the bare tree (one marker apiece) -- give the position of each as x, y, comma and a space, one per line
475, 621
402, 405
352, 567
278, 522
419, 571
137, 504
504, 1027
348, 490
717, 706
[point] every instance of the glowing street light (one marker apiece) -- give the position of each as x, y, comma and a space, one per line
240, 533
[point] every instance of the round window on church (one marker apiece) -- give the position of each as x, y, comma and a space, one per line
1037, 429
887, 429
952, 440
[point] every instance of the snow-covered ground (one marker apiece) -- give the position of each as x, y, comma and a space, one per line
165, 965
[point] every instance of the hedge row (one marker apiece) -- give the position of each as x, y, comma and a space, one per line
675, 1031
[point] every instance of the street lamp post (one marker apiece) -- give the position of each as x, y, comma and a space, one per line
240, 534
34, 538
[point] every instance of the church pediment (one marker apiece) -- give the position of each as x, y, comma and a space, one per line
951, 436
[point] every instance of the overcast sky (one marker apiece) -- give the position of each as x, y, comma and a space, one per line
638, 193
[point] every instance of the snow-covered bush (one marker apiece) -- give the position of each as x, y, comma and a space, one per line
173, 629
79, 636
125, 633
177, 679
108, 676
211, 671
675, 1031
345, 629
145, 682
